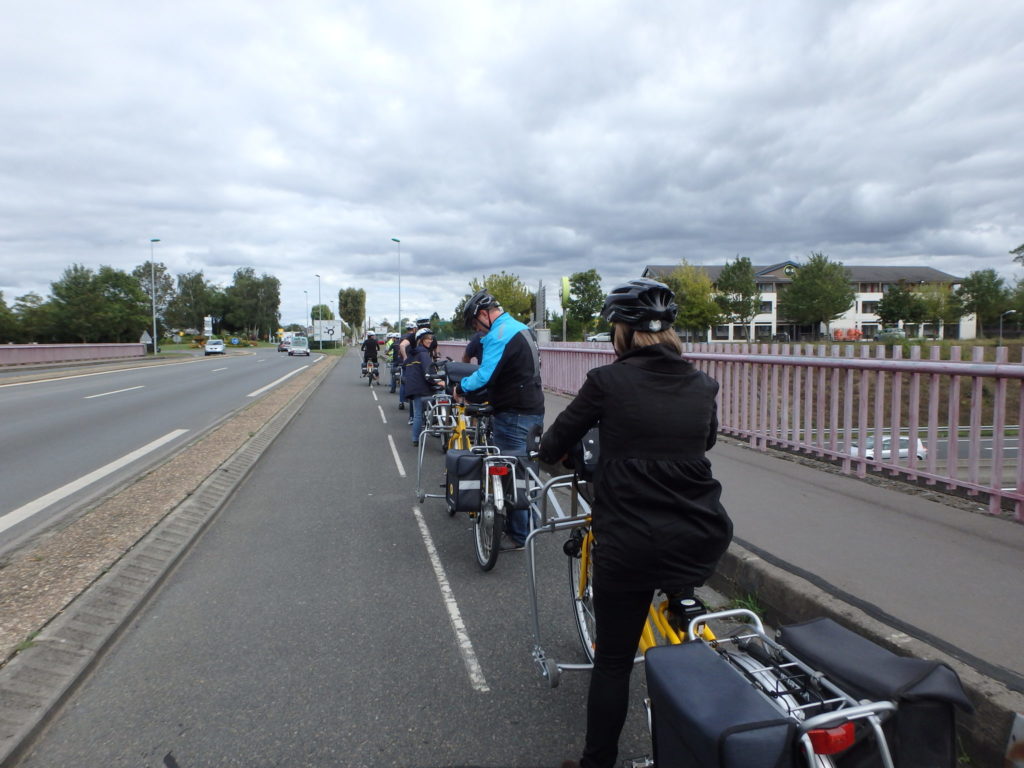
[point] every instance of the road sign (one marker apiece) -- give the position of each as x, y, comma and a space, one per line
234, 340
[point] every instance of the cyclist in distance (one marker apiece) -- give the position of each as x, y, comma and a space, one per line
509, 379
391, 356
417, 388
370, 348
657, 517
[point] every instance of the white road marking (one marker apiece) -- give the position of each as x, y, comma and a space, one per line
398, 459
476, 673
26, 511
97, 373
374, 393
115, 392
273, 384
218, 369
382, 416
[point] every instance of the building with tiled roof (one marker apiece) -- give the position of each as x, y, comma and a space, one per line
860, 321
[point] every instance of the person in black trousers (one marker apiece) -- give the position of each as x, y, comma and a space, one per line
657, 518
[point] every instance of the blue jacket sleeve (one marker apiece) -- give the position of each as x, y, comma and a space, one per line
494, 345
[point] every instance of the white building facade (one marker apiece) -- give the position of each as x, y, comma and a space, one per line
870, 284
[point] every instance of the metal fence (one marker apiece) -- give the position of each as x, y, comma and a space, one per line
951, 422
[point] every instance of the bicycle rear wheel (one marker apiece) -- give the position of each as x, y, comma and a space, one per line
487, 529
581, 584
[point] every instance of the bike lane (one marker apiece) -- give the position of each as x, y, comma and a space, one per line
308, 626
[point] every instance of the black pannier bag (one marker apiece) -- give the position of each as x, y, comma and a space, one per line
921, 734
462, 480
705, 714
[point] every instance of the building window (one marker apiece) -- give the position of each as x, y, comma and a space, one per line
766, 308
869, 307
870, 288
721, 333
763, 331
869, 330
766, 287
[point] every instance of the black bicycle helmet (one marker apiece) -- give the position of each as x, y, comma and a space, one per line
642, 304
479, 300
423, 322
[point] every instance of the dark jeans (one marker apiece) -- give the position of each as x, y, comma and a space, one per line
510, 430
620, 618
417, 403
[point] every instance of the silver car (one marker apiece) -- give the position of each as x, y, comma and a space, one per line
214, 347
299, 346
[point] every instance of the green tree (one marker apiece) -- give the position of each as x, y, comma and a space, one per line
900, 303
253, 303
984, 294
514, 297
820, 292
940, 306
126, 310
1018, 254
352, 308
8, 323
77, 302
694, 292
36, 318
164, 285
738, 296
195, 299
585, 299
320, 312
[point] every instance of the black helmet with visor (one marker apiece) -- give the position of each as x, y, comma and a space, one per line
642, 304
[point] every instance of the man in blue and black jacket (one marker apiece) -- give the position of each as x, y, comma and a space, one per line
510, 372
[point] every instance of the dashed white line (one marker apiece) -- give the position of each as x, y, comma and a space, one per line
26, 511
476, 673
398, 459
273, 384
374, 393
218, 369
115, 392
382, 416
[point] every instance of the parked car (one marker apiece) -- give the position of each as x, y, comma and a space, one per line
605, 336
283, 346
891, 334
903, 451
214, 347
299, 346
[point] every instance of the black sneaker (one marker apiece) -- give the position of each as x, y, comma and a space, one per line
508, 544
401, 406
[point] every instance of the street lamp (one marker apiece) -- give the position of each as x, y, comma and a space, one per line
306, 316
152, 287
396, 240
320, 313
1007, 312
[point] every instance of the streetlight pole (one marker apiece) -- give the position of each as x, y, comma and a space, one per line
306, 316
1004, 314
152, 287
396, 240
320, 312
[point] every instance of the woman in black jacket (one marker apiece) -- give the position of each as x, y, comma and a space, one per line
657, 518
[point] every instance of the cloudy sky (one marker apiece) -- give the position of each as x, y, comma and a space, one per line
540, 138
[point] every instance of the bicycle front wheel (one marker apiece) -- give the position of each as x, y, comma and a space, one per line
581, 582
487, 535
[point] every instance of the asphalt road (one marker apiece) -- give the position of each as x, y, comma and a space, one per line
308, 626
70, 439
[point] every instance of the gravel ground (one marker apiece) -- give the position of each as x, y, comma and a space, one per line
41, 579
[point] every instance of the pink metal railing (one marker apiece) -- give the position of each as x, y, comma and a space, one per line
831, 400
22, 354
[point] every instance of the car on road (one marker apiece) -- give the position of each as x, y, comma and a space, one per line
214, 347
283, 346
605, 336
902, 452
299, 346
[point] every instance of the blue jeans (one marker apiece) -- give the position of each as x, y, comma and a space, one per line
510, 430
416, 404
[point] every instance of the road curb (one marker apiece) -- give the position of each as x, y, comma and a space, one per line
786, 598
39, 679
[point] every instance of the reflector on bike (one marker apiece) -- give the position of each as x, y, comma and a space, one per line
497, 469
831, 741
